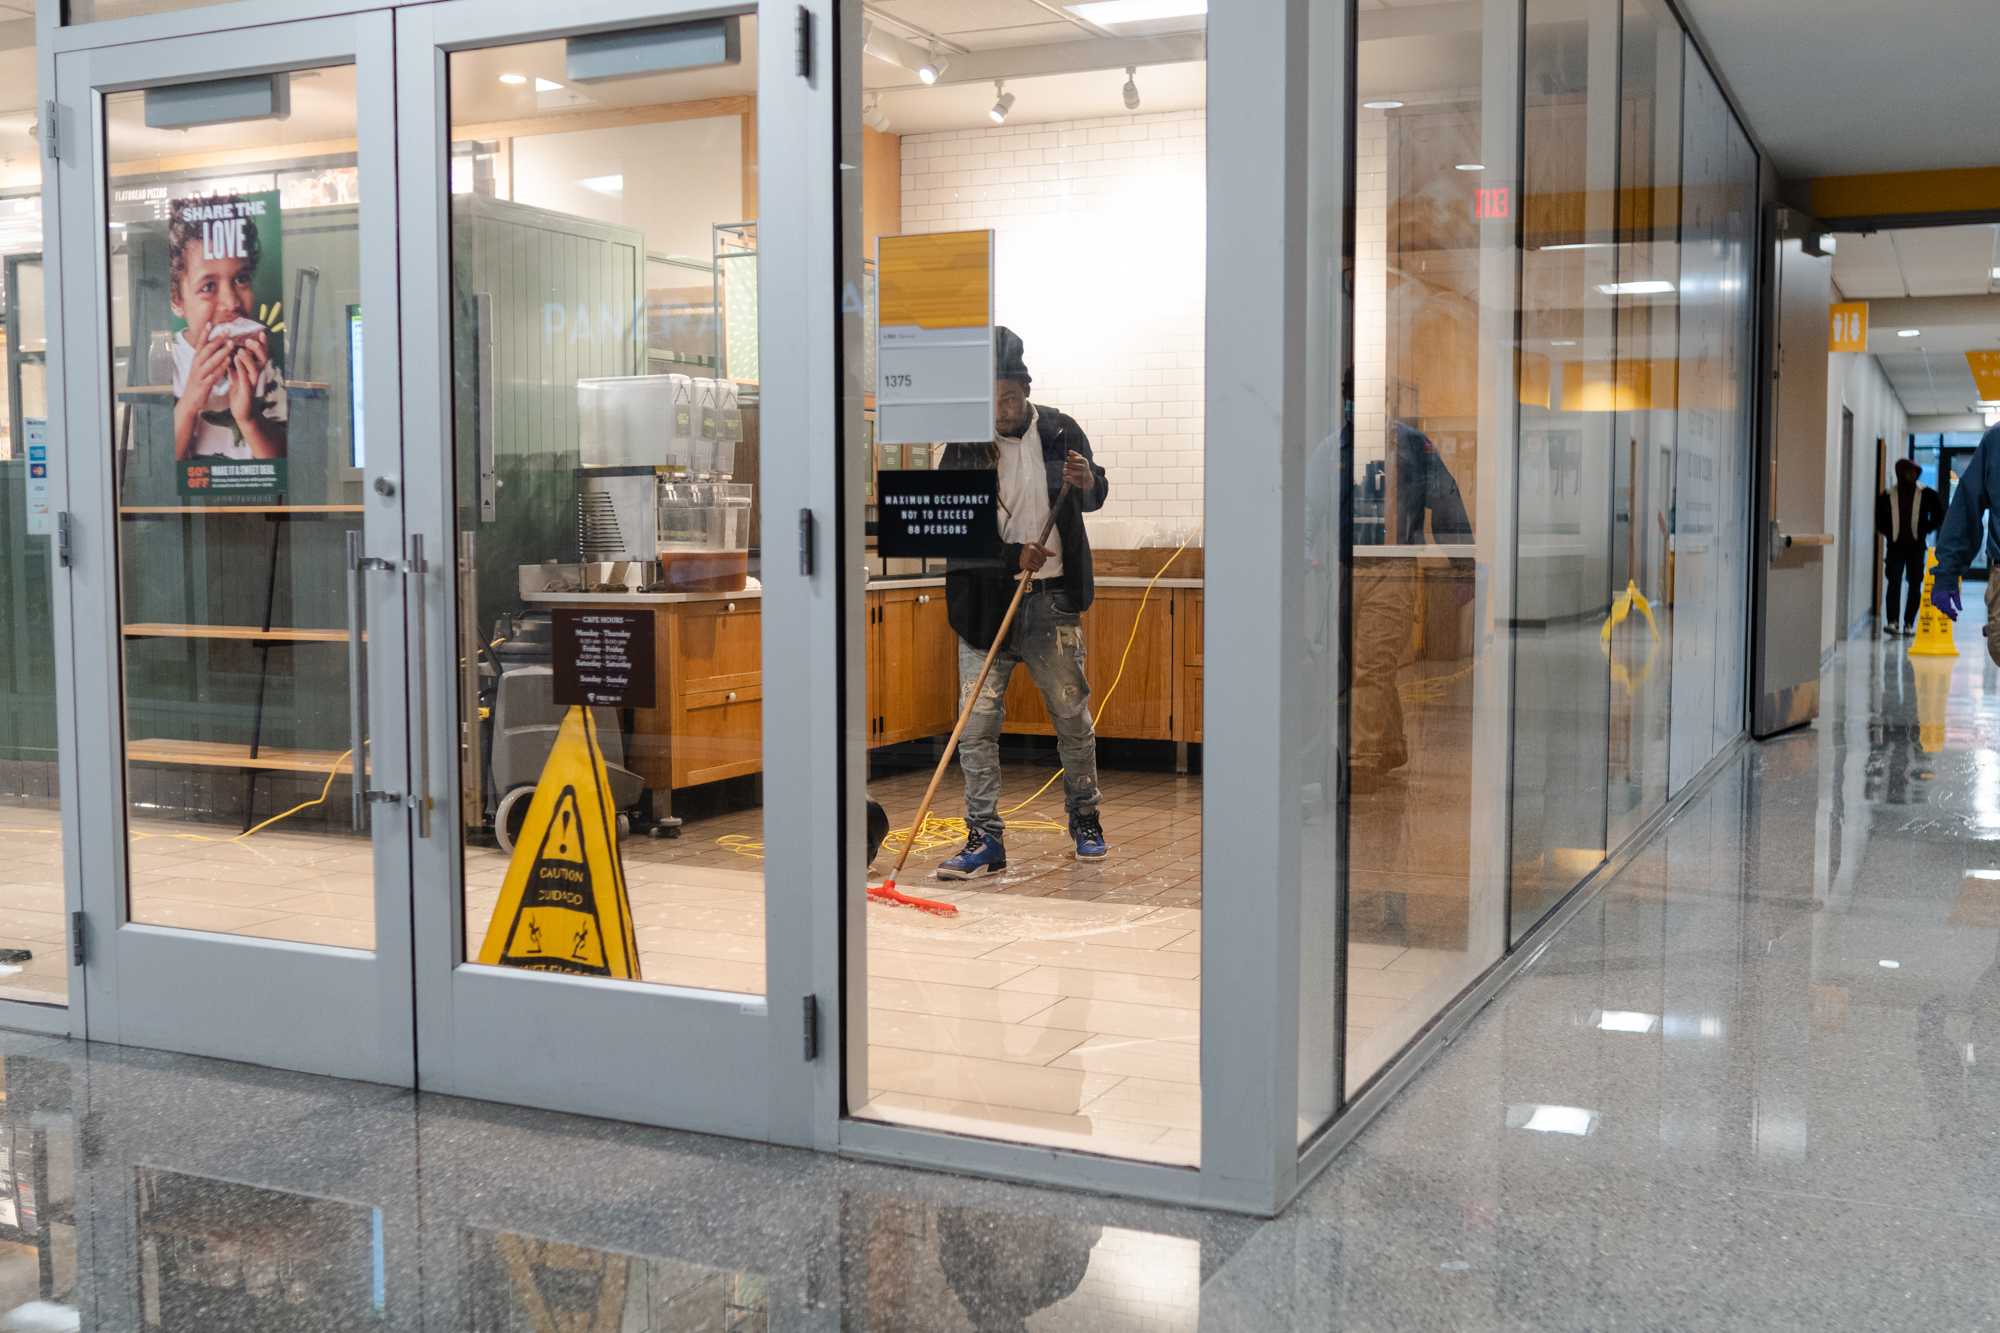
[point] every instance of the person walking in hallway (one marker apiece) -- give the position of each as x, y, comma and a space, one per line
1905, 516
1965, 521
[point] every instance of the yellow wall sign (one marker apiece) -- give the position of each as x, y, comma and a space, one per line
563, 906
943, 280
1985, 366
934, 337
1847, 329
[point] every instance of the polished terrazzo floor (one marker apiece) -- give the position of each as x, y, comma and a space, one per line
1746, 1087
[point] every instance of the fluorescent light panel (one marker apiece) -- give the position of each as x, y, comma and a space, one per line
1649, 287
1113, 13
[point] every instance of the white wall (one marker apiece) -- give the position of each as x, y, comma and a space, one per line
1101, 266
677, 179
1856, 382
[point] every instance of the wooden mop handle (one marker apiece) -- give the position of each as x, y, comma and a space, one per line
965, 714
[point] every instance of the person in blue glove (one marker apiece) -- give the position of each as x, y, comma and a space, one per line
1968, 518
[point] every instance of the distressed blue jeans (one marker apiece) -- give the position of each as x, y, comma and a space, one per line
1049, 642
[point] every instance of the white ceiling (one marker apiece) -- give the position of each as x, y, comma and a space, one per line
1057, 66
1925, 261
1938, 280
1851, 87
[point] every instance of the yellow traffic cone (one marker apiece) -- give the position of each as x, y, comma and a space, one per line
1933, 629
1933, 697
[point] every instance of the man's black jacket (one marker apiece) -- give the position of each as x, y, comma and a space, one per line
976, 592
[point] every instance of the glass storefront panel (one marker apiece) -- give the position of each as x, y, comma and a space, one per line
33, 962
1562, 683
1434, 267
1642, 388
1711, 512
234, 261
605, 394
1060, 1001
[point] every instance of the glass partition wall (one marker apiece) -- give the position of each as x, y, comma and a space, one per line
1553, 222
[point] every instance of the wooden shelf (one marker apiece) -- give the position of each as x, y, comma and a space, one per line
248, 633
130, 510
229, 754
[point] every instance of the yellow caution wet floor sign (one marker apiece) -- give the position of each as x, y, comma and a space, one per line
563, 907
1934, 637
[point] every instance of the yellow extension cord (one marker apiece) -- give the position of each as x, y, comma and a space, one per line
320, 799
940, 831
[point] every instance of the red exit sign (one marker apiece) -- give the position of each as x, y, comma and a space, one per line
1493, 203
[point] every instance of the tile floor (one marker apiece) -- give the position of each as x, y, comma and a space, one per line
1708, 1104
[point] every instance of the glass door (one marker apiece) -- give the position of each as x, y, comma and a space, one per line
242, 568
609, 324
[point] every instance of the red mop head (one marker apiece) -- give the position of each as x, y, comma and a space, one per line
887, 892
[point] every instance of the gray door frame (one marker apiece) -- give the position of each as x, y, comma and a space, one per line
714, 1061
201, 992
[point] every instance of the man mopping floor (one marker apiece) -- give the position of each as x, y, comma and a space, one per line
1036, 449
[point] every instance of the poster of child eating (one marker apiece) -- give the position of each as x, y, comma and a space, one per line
225, 280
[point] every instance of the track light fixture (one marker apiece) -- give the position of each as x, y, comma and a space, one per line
1131, 88
1003, 102
872, 114
933, 67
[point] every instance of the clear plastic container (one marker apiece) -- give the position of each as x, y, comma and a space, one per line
627, 421
704, 535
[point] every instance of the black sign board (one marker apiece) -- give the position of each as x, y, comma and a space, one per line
927, 513
604, 659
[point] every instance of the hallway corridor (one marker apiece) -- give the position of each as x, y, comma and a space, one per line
1748, 1086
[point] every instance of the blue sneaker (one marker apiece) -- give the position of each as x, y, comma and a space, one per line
1088, 830
982, 856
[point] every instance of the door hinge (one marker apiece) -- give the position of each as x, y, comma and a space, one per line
64, 554
76, 938
811, 1027
805, 43
806, 542
51, 136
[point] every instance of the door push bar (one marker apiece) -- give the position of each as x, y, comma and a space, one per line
413, 571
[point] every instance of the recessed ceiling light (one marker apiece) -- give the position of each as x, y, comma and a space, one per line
1908, 333
547, 86
1113, 13
1576, 245
1391, 104
1624, 1020
1563, 342
513, 80
1649, 287
1469, 166
604, 184
1889, 963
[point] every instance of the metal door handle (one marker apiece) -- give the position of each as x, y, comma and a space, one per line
1806, 538
358, 781
482, 336
415, 570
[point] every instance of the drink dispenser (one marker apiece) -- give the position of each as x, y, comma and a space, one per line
708, 426
681, 423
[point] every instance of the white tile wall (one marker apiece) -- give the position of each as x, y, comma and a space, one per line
1101, 244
